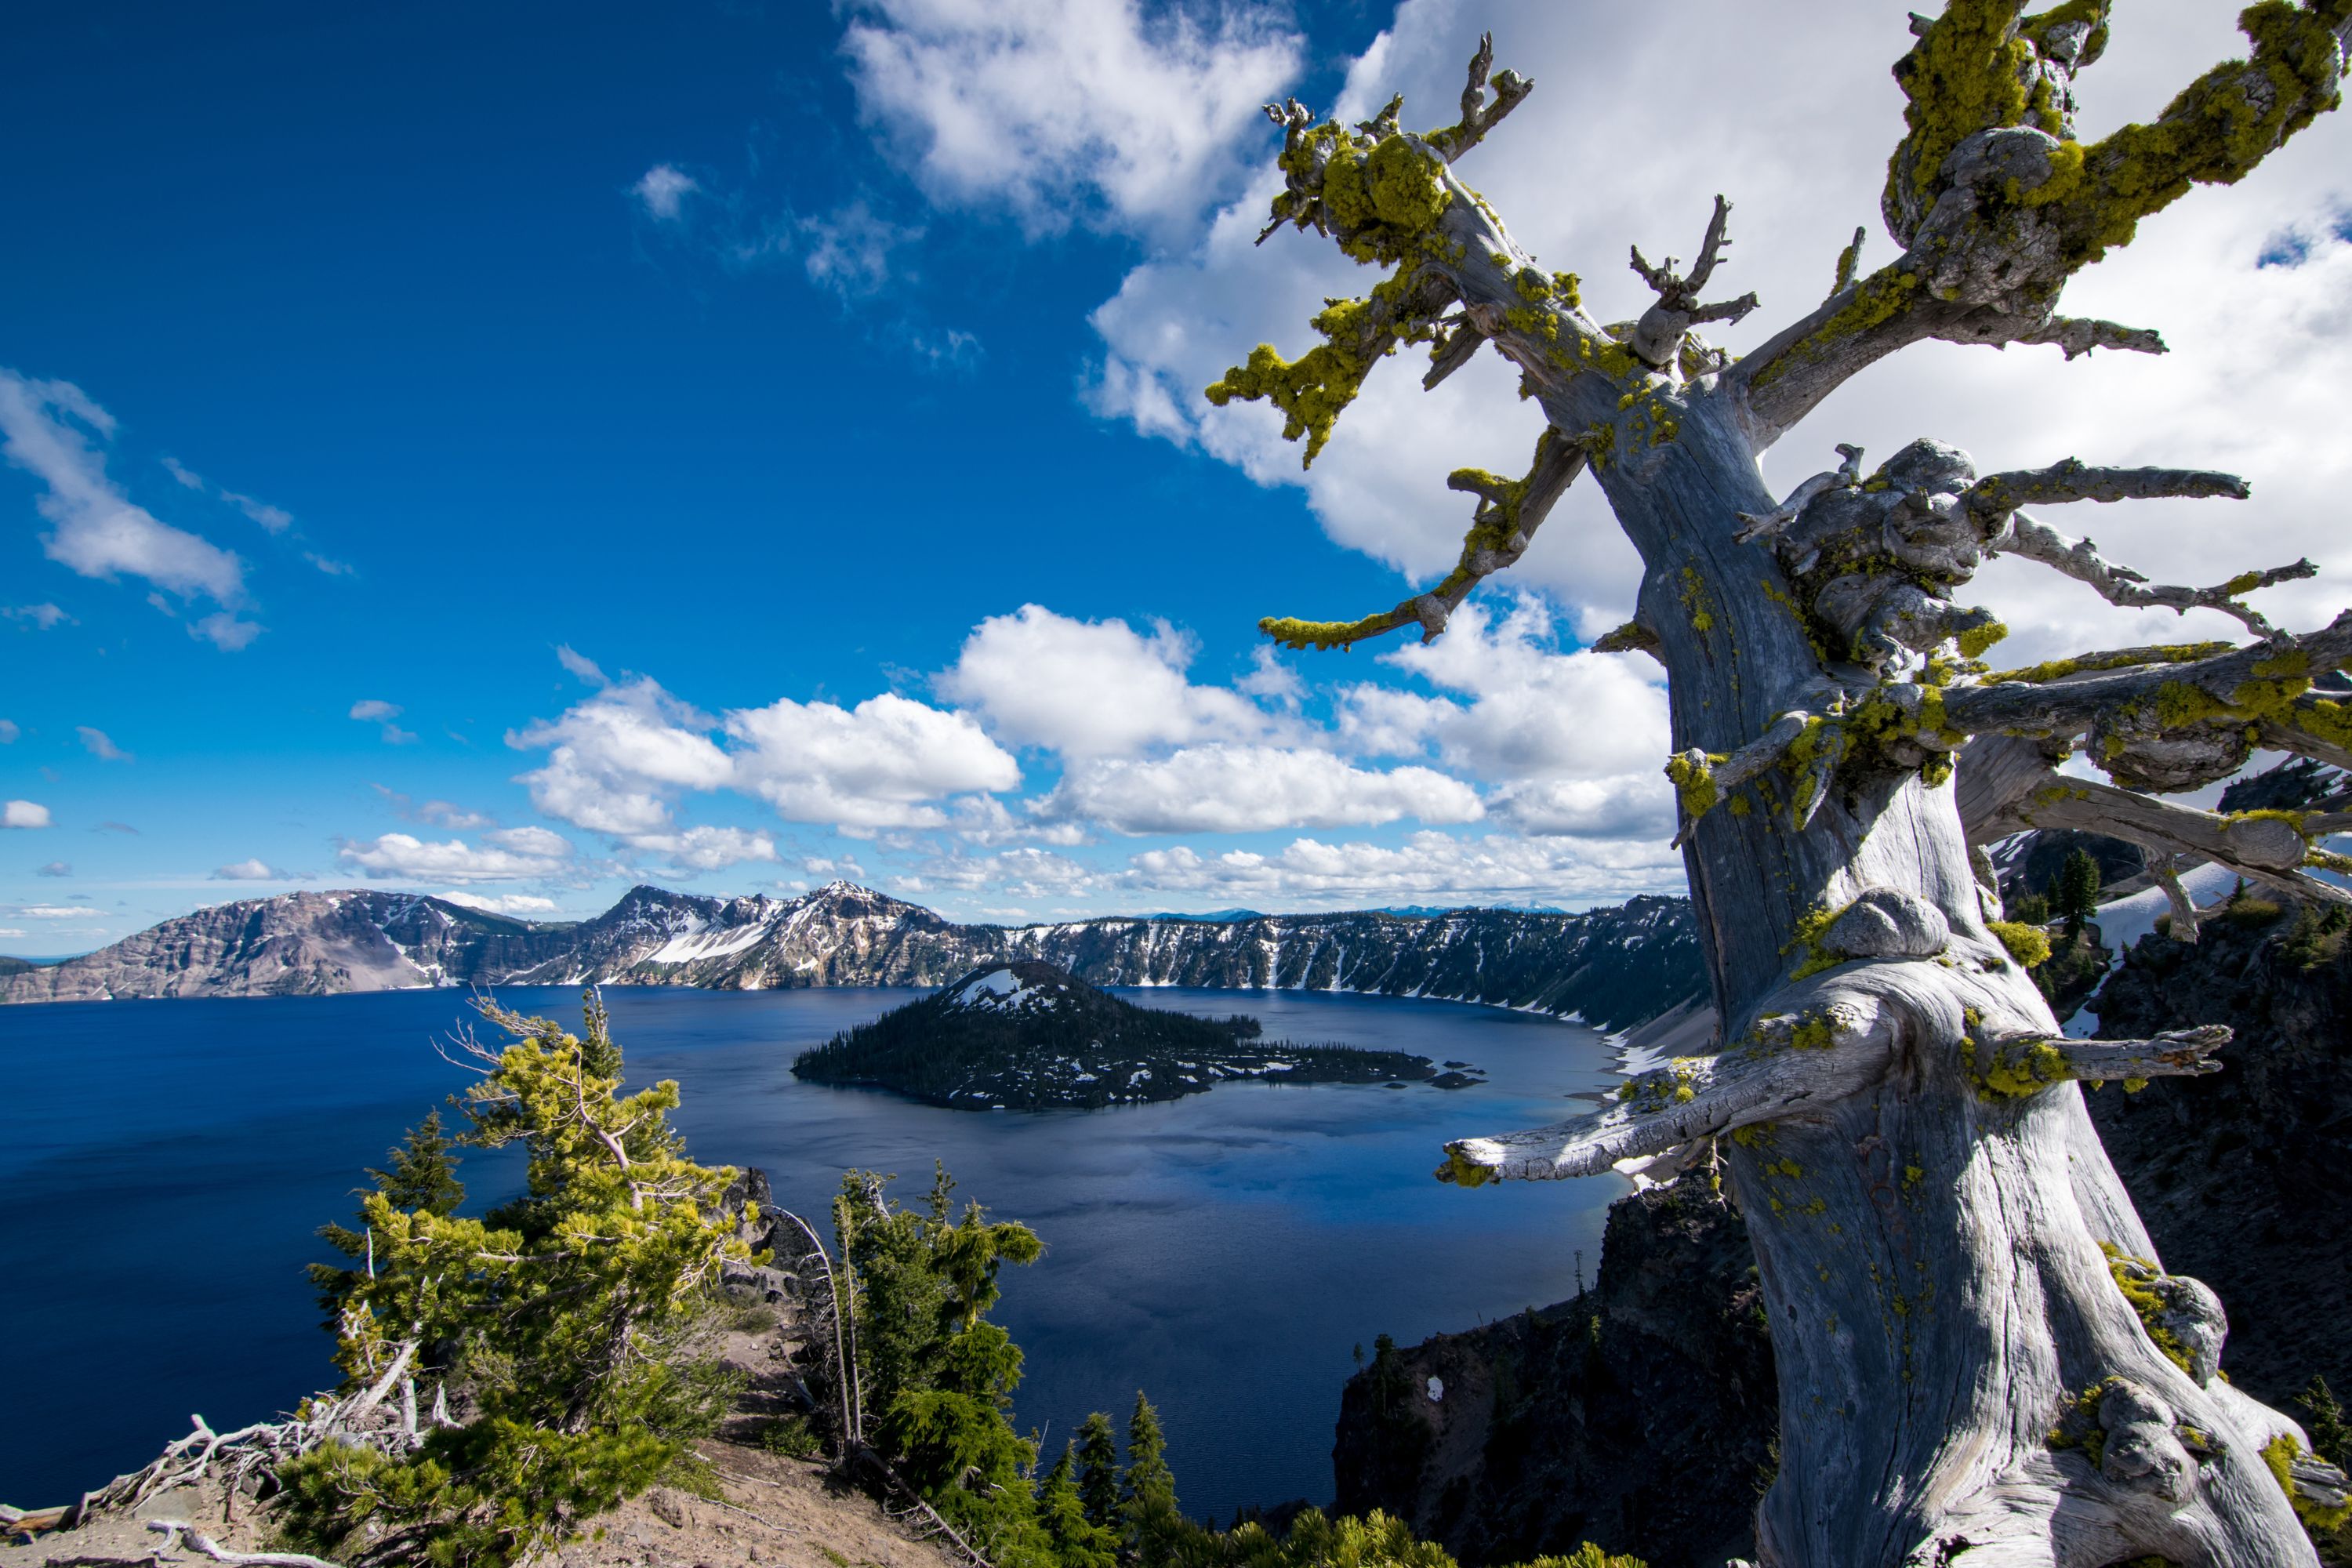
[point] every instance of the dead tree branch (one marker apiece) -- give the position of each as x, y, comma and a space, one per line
1502, 526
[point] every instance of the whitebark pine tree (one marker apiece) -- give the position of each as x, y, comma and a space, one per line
1981, 1360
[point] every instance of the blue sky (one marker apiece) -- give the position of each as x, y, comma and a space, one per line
521, 450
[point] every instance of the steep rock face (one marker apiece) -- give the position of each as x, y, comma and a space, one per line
300, 944
2240, 1175
1615, 967
1638, 1416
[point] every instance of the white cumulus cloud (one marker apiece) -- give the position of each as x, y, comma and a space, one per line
699, 849
619, 759
24, 813
887, 763
1092, 689
1429, 867
1244, 789
1098, 110
523, 904
510, 854
374, 710
252, 870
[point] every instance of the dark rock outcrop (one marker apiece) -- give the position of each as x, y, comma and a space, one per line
2240, 1175
1639, 1415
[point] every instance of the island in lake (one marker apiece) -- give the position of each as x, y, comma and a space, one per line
1026, 1035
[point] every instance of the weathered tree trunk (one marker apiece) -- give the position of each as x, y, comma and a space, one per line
1981, 1358
1932, 1255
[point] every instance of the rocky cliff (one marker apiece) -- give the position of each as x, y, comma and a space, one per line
1642, 1414
1614, 967
2239, 1175
1639, 1415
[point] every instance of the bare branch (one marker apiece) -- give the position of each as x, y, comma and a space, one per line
1848, 259
1631, 637
1994, 497
1997, 203
1452, 352
1658, 335
1478, 115
174, 1530
2270, 850
1846, 476
2118, 585
2184, 908
2288, 735
2080, 335
1509, 511
2175, 1053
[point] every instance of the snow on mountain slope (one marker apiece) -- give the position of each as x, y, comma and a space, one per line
1612, 967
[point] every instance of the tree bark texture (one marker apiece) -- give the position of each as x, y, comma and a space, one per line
1981, 1360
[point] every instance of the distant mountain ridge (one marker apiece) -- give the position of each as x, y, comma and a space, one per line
1614, 967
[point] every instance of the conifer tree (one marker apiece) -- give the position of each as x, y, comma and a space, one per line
1078, 1542
1154, 1523
938, 1376
423, 1180
1098, 1471
2078, 889
578, 1321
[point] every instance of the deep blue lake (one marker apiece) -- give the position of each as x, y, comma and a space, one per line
166, 1163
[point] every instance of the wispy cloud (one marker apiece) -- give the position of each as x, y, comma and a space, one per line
662, 191
849, 251
9, 733
44, 617
272, 518
580, 666
372, 711
435, 813
255, 870
54, 868
116, 827
99, 745
97, 531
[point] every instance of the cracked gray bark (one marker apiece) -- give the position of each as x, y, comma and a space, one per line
1893, 1104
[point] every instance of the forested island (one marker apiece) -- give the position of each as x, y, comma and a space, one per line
1026, 1035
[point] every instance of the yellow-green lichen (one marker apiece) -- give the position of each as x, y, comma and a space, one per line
2029, 944
1976, 639
1811, 927
2060, 669
2136, 1278
1462, 1171
2279, 1454
2014, 1071
1693, 780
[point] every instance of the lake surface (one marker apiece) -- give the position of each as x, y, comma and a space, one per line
166, 1163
